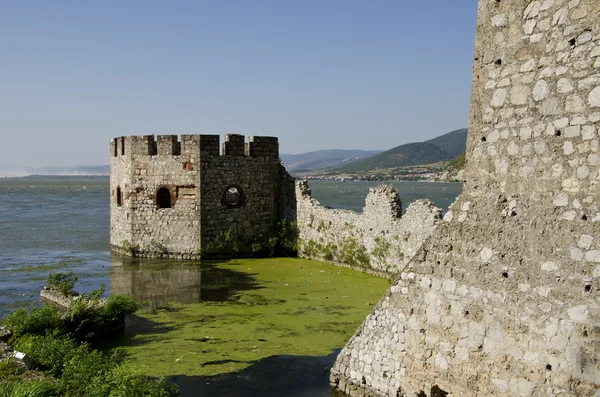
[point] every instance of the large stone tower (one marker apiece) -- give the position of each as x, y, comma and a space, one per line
504, 297
172, 198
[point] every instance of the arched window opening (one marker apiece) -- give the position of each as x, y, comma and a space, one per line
233, 197
119, 197
163, 198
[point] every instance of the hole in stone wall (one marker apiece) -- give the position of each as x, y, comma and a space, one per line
572, 42
421, 394
588, 288
163, 198
116, 151
466, 312
437, 392
483, 139
558, 133
498, 62
122, 146
585, 333
505, 274
119, 196
549, 367
584, 217
233, 197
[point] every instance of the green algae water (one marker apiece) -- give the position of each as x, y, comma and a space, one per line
249, 310
235, 328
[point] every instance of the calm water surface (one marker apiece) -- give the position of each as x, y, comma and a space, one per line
62, 224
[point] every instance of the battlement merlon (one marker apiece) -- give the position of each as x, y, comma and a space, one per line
205, 145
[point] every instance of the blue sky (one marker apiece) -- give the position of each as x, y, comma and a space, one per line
318, 74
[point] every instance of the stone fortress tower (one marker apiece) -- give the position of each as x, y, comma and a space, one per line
503, 299
173, 198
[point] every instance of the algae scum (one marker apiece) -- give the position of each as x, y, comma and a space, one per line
207, 319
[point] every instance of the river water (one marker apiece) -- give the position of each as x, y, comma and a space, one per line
62, 224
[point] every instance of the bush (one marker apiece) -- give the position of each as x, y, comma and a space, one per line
82, 369
120, 306
35, 322
123, 381
78, 370
53, 343
47, 352
62, 282
10, 371
89, 320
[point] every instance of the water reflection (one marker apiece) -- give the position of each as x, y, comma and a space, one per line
160, 281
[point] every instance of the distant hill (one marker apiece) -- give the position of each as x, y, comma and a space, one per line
323, 158
443, 148
453, 143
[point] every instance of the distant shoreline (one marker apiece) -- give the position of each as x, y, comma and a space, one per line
41, 176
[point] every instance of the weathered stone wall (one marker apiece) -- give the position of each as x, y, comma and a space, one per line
503, 299
256, 178
144, 167
380, 240
195, 177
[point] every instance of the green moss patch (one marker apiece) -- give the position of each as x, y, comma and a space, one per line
301, 307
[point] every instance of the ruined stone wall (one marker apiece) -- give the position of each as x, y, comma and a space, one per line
169, 197
503, 299
380, 240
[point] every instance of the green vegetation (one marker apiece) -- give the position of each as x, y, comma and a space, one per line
62, 349
91, 320
62, 282
381, 249
453, 143
349, 251
322, 227
282, 242
354, 254
129, 248
457, 163
298, 307
33, 388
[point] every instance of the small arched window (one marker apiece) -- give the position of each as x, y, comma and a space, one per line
119, 196
233, 197
163, 198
